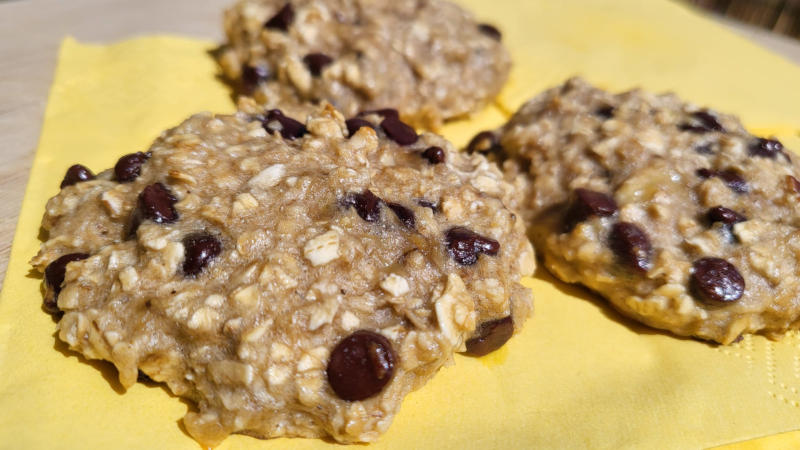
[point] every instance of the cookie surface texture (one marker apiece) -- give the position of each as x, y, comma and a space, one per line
675, 213
290, 278
429, 59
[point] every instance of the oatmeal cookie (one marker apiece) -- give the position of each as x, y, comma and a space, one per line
290, 278
429, 59
675, 213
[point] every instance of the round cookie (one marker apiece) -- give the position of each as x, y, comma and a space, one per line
427, 58
291, 279
676, 214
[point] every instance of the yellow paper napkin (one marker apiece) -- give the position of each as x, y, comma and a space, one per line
577, 376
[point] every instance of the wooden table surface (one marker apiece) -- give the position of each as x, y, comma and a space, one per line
30, 33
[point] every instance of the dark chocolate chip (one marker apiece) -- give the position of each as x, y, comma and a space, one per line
252, 76
692, 128
484, 142
76, 174
129, 167
606, 112
490, 336
434, 155
399, 131
585, 204
289, 128
428, 204
716, 281
631, 245
464, 245
386, 113
366, 204
355, 124
766, 148
708, 120
704, 122
199, 250
731, 178
724, 215
282, 19
54, 276
706, 173
316, 62
361, 365
704, 149
734, 181
491, 31
405, 215
157, 203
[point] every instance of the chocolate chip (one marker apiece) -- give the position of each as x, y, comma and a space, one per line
708, 120
631, 245
606, 112
252, 76
716, 281
483, 142
766, 148
367, 205
464, 245
54, 277
734, 181
76, 174
724, 215
157, 203
585, 204
386, 113
199, 250
316, 62
355, 124
491, 31
706, 173
282, 19
399, 131
704, 149
704, 122
405, 215
361, 365
288, 127
428, 204
730, 176
129, 167
490, 336
434, 155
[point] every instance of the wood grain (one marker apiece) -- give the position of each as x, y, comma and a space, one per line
31, 30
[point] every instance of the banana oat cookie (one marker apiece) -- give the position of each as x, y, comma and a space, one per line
429, 59
675, 213
292, 279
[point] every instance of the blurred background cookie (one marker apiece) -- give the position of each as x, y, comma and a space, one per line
429, 59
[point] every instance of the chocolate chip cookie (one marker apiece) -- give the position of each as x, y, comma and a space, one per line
429, 59
292, 278
675, 213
